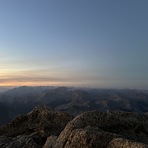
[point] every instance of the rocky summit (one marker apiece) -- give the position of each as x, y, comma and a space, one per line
47, 128
32, 129
96, 129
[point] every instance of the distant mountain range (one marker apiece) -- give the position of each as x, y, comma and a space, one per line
2, 89
74, 101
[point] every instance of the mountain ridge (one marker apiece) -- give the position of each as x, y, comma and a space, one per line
72, 100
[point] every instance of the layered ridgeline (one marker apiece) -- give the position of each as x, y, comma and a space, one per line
48, 128
70, 100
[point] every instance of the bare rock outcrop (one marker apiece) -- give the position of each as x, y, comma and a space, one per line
47, 128
50, 142
124, 143
37, 125
103, 127
21, 141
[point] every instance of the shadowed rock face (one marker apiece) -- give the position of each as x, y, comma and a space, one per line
47, 128
37, 125
103, 127
18, 142
50, 142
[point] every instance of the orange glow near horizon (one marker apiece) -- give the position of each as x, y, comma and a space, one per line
38, 83
31, 84
13, 78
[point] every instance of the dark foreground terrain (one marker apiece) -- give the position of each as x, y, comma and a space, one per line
49, 128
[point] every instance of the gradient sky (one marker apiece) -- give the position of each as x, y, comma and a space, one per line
92, 43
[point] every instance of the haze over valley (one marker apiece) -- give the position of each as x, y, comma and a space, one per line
71, 100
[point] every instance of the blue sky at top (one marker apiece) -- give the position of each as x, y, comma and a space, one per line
99, 43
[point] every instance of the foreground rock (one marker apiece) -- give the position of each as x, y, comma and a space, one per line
21, 141
46, 128
124, 143
33, 128
96, 129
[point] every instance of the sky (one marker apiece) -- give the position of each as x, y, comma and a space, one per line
85, 43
